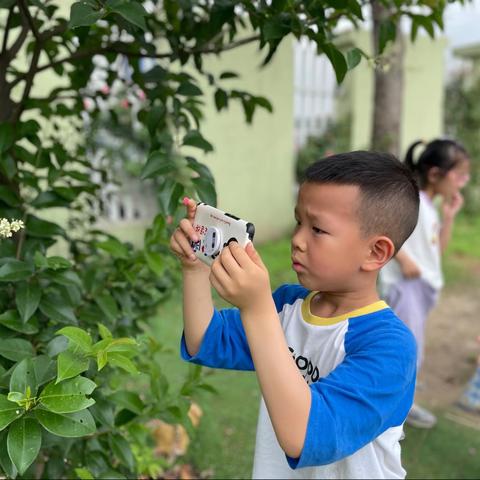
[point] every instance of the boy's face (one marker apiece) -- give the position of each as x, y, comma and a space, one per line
328, 248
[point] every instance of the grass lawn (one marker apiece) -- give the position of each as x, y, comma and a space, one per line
224, 442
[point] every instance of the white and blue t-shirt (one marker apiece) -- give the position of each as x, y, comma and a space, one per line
361, 370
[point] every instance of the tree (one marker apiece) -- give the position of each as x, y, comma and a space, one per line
73, 333
388, 83
389, 79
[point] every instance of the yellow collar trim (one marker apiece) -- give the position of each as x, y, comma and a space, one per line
309, 317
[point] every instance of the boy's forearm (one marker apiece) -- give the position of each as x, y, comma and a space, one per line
286, 394
197, 307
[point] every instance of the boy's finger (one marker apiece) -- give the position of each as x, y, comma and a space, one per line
219, 272
191, 206
229, 262
187, 228
254, 255
183, 243
239, 254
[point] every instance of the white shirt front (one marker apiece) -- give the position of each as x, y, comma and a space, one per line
423, 247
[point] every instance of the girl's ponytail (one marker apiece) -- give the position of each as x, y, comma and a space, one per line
409, 156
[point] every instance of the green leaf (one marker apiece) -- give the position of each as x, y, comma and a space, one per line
158, 163
54, 308
45, 369
71, 363
11, 320
9, 411
104, 331
23, 442
68, 396
83, 15
108, 305
189, 89
121, 449
5, 463
42, 228
129, 400
114, 246
274, 29
101, 359
194, 138
23, 377
228, 74
155, 261
6, 3
15, 349
84, 474
121, 361
6, 136
221, 99
70, 425
336, 59
353, 57
131, 11
14, 271
103, 412
8, 166
205, 190
9, 197
27, 299
387, 33
77, 336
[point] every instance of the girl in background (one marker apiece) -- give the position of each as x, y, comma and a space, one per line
412, 280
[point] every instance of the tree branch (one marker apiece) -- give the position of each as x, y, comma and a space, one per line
28, 82
115, 48
26, 14
19, 41
7, 30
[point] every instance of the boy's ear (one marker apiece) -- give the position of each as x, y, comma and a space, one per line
381, 251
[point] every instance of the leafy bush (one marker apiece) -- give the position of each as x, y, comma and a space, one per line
462, 122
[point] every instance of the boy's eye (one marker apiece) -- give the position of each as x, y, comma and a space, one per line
318, 230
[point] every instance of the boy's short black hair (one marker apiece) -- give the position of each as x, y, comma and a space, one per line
389, 194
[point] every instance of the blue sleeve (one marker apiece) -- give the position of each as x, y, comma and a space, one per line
369, 392
224, 344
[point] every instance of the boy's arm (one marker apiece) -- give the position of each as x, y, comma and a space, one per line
197, 307
241, 278
197, 295
225, 345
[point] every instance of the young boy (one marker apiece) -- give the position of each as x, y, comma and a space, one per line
336, 367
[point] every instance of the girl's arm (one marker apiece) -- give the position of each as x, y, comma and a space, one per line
407, 265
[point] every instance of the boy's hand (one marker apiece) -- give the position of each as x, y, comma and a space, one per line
241, 278
180, 240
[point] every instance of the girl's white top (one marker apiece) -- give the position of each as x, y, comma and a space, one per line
423, 246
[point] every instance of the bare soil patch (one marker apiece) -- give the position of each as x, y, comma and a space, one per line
451, 346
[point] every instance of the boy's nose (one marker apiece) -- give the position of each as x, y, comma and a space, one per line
297, 242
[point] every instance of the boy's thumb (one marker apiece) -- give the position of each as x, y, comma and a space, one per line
253, 254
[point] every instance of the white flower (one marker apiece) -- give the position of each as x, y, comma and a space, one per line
6, 227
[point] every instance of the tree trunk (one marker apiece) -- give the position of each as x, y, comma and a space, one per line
388, 96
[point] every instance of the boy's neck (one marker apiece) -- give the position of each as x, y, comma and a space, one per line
332, 304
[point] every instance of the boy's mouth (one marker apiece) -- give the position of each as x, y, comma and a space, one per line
297, 266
